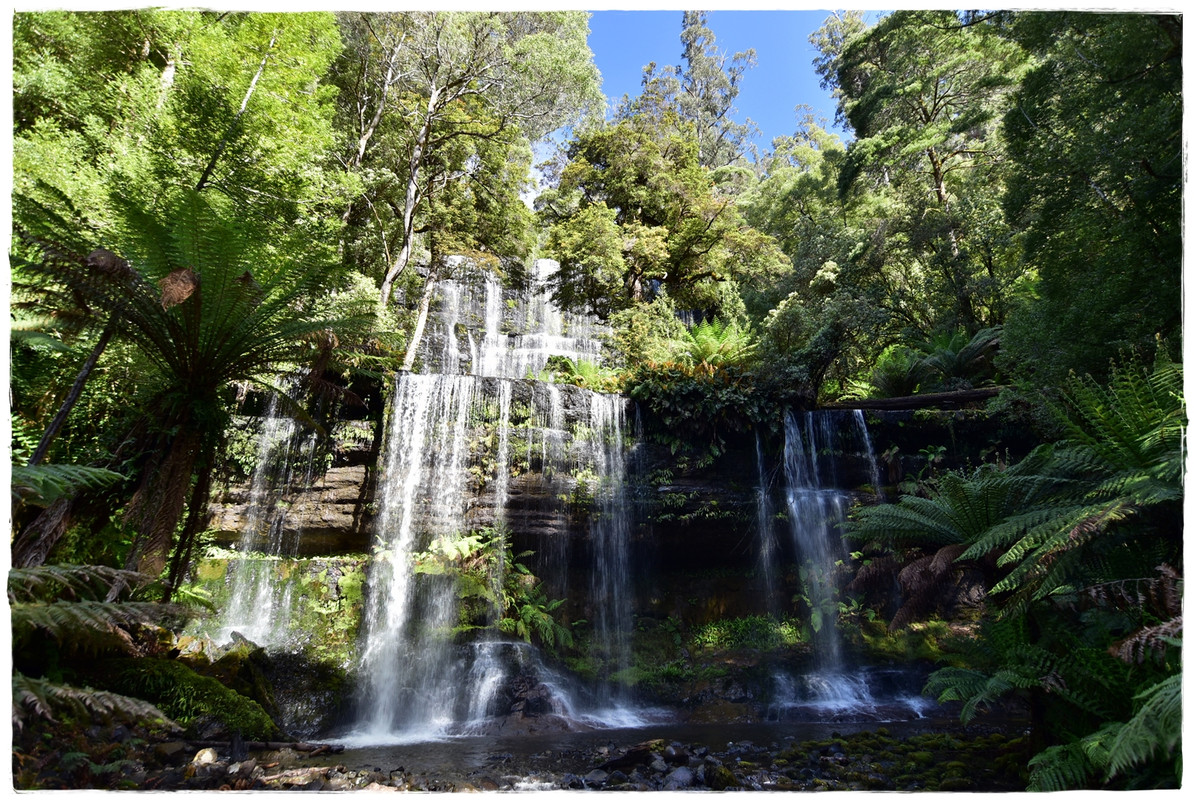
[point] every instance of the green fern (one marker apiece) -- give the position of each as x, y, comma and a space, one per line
1155, 730
43, 484
33, 697
710, 345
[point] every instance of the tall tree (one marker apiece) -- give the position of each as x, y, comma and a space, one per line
635, 212
922, 91
1095, 181
532, 72
701, 91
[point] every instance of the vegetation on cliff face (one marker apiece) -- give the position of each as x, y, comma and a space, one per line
204, 202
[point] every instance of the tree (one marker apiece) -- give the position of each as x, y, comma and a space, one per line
530, 71
701, 91
923, 91
1095, 182
635, 190
149, 98
206, 302
153, 104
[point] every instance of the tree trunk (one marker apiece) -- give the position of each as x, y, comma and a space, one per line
408, 361
32, 545
244, 105
196, 516
411, 201
166, 492
72, 396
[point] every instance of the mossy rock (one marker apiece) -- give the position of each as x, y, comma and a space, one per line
190, 699
720, 778
920, 757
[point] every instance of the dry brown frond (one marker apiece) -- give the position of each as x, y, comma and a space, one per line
178, 286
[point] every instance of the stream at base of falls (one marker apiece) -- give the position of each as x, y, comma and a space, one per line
921, 754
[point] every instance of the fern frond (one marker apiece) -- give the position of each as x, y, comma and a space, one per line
82, 581
1062, 767
90, 625
33, 697
1151, 642
44, 483
1155, 729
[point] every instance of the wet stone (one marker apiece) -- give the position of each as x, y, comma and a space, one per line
596, 777
680, 778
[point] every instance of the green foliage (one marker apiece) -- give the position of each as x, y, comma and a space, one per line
694, 412
1094, 184
1083, 624
1124, 455
33, 697
43, 484
495, 587
63, 611
634, 213
582, 372
751, 632
190, 698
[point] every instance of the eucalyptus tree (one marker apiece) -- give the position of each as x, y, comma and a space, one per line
923, 91
702, 91
445, 76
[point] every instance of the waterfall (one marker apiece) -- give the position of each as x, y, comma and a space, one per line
765, 516
816, 504
813, 513
258, 607
869, 450
450, 440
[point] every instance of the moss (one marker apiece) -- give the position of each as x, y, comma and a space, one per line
211, 570
188, 697
722, 779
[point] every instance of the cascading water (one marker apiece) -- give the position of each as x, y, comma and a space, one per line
765, 519
815, 507
448, 457
258, 606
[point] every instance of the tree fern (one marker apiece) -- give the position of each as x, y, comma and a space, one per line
43, 484
33, 697
207, 303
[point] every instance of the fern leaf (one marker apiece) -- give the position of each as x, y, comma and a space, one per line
1155, 729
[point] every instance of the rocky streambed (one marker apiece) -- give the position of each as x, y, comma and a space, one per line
976, 759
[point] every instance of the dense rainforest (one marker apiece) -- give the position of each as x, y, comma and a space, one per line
212, 211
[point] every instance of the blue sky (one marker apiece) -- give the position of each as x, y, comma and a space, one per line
623, 42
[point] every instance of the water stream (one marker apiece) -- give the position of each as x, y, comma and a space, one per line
814, 443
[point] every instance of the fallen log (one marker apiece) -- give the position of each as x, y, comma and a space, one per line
942, 400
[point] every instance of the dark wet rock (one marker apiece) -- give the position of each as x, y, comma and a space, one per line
596, 778
679, 778
642, 753
675, 753
719, 778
